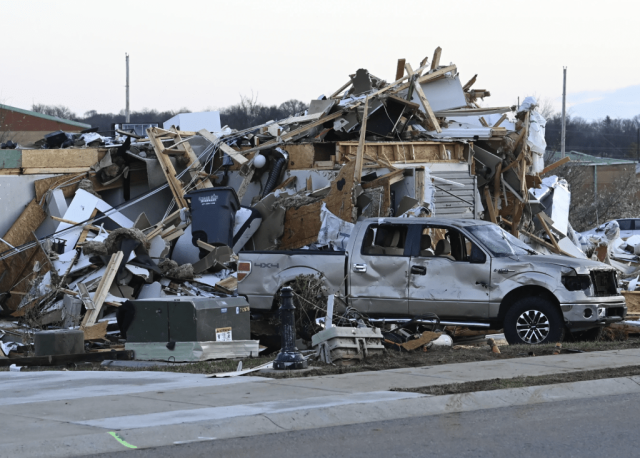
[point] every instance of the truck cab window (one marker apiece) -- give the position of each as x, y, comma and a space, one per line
445, 243
385, 240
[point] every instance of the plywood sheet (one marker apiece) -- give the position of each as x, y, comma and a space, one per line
60, 158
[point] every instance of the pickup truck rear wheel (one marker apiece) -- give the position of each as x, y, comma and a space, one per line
532, 321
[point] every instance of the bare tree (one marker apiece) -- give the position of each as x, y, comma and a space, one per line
59, 111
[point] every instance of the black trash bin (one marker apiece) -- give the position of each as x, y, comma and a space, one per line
213, 215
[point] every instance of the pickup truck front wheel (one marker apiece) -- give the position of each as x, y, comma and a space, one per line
533, 320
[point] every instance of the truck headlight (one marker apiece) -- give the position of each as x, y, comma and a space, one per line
576, 282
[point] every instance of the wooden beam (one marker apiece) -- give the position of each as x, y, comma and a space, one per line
400, 68
192, 162
488, 201
549, 233
245, 183
496, 185
435, 63
393, 177
342, 88
286, 183
103, 289
233, 154
555, 165
425, 78
167, 168
502, 118
425, 103
357, 174
470, 83
205, 246
517, 214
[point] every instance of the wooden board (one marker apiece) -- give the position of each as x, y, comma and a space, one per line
301, 226
28, 221
42, 186
97, 331
103, 289
59, 158
301, 156
633, 301
406, 151
53, 170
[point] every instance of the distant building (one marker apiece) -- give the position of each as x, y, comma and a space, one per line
193, 122
605, 173
26, 127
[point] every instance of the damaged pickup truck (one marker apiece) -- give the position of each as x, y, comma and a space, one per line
468, 272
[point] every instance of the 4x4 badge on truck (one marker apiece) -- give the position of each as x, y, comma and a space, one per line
267, 265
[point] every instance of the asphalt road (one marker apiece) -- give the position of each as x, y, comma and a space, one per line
594, 428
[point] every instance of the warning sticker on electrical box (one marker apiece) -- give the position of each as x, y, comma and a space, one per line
223, 334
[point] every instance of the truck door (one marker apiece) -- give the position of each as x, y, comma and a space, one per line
449, 275
378, 270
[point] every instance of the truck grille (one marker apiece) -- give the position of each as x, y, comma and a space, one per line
604, 282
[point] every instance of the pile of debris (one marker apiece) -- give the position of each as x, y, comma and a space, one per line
129, 218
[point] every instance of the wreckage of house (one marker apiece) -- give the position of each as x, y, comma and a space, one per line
96, 222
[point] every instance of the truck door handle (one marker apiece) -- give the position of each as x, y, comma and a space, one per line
360, 268
419, 270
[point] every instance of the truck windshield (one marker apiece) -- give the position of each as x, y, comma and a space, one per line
498, 241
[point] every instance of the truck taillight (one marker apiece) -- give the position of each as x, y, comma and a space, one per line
244, 269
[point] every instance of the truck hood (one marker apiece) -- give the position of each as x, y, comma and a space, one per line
581, 266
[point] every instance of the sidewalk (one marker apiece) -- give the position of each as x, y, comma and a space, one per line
73, 413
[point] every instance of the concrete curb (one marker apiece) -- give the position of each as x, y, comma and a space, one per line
311, 417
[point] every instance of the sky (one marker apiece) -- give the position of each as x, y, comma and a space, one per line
205, 54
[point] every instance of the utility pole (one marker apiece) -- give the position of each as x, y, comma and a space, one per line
564, 112
126, 110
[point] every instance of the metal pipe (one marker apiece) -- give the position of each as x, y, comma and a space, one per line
126, 110
564, 112
444, 322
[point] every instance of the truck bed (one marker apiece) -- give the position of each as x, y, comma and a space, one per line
270, 270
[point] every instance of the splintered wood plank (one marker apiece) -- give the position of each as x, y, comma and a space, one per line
167, 168
487, 198
103, 289
425, 103
193, 163
363, 134
435, 63
556, 164
470, 83
400, 68
426, 78
233, 154
342, 88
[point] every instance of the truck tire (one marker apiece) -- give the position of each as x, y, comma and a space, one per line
533, 321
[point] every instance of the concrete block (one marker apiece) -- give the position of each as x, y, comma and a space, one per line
59, 342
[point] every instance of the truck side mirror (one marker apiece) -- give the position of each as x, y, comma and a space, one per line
477, 255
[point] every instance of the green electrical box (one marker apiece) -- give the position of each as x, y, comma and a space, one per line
190, 319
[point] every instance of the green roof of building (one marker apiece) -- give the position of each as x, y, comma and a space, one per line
587, 159
44, 116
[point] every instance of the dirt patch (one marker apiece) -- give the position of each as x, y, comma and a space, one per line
521, 382
452, 355
388, 360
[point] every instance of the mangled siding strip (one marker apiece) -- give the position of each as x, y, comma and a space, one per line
10, 159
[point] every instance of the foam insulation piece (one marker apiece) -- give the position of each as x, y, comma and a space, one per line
333, 230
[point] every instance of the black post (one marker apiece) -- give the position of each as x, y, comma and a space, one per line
289, 356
